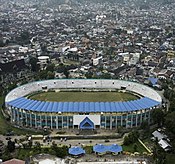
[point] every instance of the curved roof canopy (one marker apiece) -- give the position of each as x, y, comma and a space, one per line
82, 107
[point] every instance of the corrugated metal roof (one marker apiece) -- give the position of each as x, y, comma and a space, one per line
83, 107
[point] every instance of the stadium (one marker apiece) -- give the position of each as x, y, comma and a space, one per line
27, 112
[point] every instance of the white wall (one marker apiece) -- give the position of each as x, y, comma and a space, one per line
83, 83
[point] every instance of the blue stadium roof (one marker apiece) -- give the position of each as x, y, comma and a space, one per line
83, 107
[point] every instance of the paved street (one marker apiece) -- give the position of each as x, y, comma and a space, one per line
83, 142
72, 142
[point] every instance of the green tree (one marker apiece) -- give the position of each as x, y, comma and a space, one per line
131, 138
30, 143
145, 126
12, 86
169, 94
66, 72
159, 155
105, 76
43, 47
25, 35
170, 122
2, 44
135, 135
50, 75
33, 62
126, 140
50, 67
37, 146
6, 155
89, 75
11, 146
43, 74
158, 116
172, 105
60, 151
135, 147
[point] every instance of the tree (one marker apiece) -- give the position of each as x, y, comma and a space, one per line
169, 94
11, 146
30, 143
158, 116
25, 35
1, 43
105, 76
12, 86
131, 138
159, 155
37, 146
126, 140
43, 74
43, 47
50, 67
60, 151
50, 75
33, 62
134, 135
6, 155
135, 147
66, 72
172, 105
89, 75
145, 126
170, 122
145, 130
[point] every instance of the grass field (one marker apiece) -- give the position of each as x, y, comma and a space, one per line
83, 96
130, 148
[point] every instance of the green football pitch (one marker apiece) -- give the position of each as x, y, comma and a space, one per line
83, 96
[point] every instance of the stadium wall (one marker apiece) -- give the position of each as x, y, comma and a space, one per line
27, 116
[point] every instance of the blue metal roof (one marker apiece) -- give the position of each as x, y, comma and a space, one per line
18, 102
153, 80
24, 104
40, 106
76, 150
114, 148
83, 107
86, 124
100, 148
54, 107
36, 105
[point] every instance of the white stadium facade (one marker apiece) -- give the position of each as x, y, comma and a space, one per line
81, 115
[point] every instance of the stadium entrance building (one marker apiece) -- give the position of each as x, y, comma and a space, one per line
26, 112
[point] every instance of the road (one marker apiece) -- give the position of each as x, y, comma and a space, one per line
82, 142
72, 142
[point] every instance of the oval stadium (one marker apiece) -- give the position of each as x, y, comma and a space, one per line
27, 112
